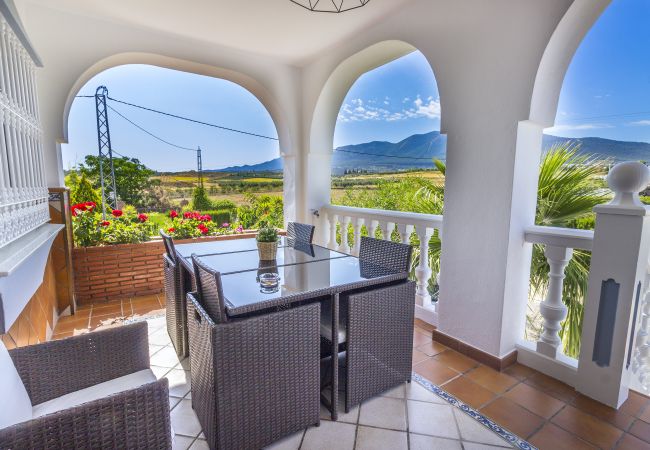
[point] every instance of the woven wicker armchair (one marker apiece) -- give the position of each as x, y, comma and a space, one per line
67, 372
256, 379
176, 308
375, 326
300, 231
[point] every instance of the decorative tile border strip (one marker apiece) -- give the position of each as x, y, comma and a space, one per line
504, 434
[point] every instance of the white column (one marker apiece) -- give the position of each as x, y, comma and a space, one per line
618, 271
552, 308
358, 223
423, 271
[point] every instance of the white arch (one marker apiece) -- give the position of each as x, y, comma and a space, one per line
558, 54
339, 83
243, 80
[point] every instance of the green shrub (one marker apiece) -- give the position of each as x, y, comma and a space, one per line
200, 200
81, 189
261, 210
90, 229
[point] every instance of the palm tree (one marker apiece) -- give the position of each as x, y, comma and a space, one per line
567, 192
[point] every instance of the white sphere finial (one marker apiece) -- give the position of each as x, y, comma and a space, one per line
627, 179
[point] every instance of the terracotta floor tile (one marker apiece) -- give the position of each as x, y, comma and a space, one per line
145, 307
635, 405
108, 309
551, 437
645, 415
145, 298
432, 348
420, 339
56, 337
534, 400
552, 386
616, 417
418, 357
456, 361
587, 427
435, 371
629, 442
427, 327
641, 430
519, 371
103, 321
65, 325
489, 378
469, 392
515, 418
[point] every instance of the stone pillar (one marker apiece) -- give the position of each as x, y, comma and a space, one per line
616, 277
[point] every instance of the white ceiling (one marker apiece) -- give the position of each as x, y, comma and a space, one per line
276, 28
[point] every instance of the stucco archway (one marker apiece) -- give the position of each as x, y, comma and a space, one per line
327, 107
287, 149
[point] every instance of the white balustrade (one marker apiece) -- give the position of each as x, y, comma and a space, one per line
559, 244
23, 188
424, 226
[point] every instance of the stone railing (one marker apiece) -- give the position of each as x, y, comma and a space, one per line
388, 223
23, 187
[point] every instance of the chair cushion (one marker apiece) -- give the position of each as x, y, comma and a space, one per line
95, 392
326, 322
17, 407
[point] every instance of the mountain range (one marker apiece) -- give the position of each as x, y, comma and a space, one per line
418, 151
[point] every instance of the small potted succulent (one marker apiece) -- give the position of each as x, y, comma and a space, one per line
267, 243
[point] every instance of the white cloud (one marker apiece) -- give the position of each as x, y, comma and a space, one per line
360, 110
578, 127
640, 123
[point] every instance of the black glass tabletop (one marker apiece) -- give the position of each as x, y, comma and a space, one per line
287, 255
246, 292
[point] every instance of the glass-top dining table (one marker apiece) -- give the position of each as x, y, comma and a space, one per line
306, 272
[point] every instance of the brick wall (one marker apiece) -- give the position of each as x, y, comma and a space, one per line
107, 273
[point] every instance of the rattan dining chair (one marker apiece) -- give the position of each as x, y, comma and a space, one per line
375, 326
300, 231
256, 379
175, 302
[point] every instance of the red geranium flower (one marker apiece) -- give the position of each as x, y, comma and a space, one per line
187, 215
117, 213
203, 229
205, 218
143, 218
90, 205
173, 214
105, 223
171, 230
79, 207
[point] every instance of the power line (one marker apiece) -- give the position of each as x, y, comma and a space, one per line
176, 116
149, 132
193, 120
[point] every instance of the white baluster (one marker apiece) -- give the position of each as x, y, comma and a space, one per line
552, 308
372, 230
423, 271
358, 224
405, 232
344, 246
334, 220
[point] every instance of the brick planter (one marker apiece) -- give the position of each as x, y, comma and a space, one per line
111, 272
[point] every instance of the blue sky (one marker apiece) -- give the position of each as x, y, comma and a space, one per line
609, 78
606, 93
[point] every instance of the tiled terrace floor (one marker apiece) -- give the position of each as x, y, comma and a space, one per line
549, 414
